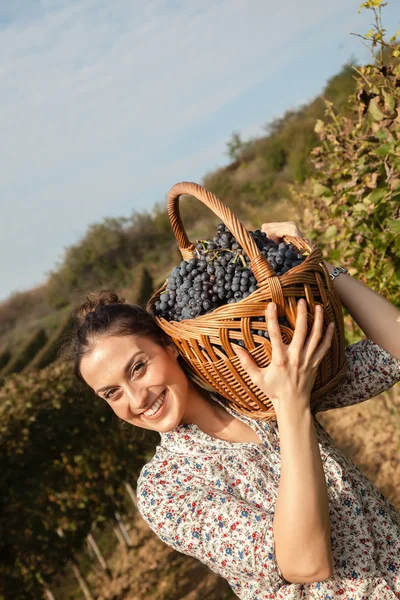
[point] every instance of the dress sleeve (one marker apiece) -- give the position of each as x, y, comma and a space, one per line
231, 536
371, 371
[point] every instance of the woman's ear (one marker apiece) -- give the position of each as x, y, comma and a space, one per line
173, 350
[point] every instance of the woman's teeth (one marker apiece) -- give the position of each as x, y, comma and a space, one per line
152, 411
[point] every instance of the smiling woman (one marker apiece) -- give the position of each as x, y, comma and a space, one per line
273, 507
127, 360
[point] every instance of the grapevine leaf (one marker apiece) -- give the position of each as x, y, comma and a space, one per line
359, 207
328, 200
371, 180
395, 184
390, 101
321, 190
374, 110
384, 149
377, 195
331, 232
381, 134
335, 255
394, 225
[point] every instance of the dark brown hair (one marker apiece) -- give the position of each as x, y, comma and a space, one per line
106, 315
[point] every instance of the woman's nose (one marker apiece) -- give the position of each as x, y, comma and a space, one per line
137, 399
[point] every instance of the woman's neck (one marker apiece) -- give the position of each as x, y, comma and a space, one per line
214, 420
204, 412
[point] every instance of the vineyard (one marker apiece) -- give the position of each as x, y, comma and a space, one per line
68, 523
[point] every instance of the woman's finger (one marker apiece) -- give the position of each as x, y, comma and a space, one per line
300, 330
279, 229
248, 364
324, 345
275, 336
316, 332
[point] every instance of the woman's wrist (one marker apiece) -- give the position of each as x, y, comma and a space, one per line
292, 414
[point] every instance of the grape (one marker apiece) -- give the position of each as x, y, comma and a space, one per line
219, 274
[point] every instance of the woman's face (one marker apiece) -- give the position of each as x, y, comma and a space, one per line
134, 374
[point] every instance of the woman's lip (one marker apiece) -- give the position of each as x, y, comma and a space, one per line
160, 410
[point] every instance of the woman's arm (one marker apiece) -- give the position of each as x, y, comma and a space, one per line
301, 523
377, 318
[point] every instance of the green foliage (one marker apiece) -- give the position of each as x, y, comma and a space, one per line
63, 460
352, 204
275, 156
32, 345
236, 146
51, 349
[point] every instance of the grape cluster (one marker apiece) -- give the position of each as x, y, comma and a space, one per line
220, 274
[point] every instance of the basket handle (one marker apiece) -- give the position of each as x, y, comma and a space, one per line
258, 263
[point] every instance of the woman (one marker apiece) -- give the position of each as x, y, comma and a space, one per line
274, 507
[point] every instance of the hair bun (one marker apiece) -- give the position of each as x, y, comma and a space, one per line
94, 301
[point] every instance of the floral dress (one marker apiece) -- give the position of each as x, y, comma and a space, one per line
214, 500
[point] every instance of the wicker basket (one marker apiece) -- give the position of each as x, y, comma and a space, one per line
198, 339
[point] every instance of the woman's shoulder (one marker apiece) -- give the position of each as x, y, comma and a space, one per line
157, 470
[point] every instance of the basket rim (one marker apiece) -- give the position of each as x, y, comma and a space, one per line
205, 317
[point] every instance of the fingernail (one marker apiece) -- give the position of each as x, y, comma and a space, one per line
302, 302
271, 307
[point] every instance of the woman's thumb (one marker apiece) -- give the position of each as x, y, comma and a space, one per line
247, 362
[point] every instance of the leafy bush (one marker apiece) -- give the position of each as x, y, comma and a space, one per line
352, 204
63, 460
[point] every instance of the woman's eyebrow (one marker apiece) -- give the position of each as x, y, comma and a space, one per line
126, 371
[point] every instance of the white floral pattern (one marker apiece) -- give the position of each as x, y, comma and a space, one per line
215, 500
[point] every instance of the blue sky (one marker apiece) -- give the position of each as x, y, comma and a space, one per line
105, 105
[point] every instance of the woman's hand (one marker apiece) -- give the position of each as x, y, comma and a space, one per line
281, 228
289, 378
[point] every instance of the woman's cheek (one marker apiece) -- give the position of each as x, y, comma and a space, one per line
121, 409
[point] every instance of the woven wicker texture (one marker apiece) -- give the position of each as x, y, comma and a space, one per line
206, 342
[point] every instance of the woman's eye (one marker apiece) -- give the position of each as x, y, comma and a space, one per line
138, 367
